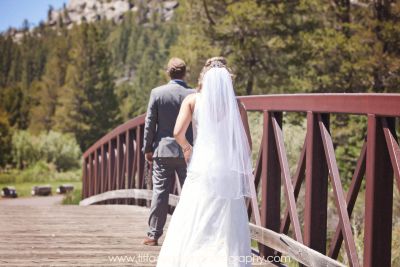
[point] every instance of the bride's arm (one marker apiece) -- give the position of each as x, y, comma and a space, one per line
182, 123
243, 115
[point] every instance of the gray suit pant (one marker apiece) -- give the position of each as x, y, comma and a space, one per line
163, 173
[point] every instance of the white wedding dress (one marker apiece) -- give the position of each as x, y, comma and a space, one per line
206, 230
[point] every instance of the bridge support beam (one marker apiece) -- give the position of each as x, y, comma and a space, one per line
378, 195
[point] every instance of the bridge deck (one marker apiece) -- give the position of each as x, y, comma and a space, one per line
73, 235
57, 235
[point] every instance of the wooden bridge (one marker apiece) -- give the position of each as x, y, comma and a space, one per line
114, 172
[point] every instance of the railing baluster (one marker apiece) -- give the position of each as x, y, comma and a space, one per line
393, 147
119, 162
351, 200
270, 183
90, 182
316, 199
341, 206
297, 181
84, 178
378, 196
96, 168
113, 167
129, 161
287, 182
103, 167
109, 168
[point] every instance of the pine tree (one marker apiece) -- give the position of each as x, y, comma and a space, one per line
5, 138
46, 92
89, 108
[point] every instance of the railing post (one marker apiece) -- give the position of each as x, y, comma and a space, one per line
129, 161
378, 196
316, 199
103, 166
140, 160
96, 172
90, 180
84, 179
270, 182
112, 169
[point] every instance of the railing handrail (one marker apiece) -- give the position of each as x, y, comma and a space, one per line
350, 103
130, 124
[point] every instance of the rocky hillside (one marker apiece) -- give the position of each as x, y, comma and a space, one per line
76, 11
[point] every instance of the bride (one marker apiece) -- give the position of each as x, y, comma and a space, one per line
209, 226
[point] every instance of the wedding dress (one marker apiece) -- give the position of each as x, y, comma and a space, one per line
209, 226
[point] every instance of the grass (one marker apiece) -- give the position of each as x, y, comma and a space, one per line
24, 189
40, 173
73, 198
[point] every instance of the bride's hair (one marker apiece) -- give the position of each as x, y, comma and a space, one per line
214, 62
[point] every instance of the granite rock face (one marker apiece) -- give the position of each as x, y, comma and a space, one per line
92, 10
77, 11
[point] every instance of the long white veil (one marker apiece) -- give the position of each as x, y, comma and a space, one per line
221, 153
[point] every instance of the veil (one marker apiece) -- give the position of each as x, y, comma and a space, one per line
221, 153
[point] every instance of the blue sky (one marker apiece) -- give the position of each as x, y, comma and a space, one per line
13, 12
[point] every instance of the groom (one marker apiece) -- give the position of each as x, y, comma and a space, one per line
160, 148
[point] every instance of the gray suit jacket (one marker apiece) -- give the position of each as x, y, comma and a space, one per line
162, 111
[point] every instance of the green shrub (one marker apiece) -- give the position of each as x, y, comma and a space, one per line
38, 172
60, 149
53, 147
25, 149
5, 139
71, 175
7, 178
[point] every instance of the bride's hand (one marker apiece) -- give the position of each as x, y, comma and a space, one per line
187, 154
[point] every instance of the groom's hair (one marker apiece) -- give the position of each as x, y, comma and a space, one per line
176, 68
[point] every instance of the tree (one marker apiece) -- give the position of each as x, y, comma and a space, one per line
5, 138
46, 92
88, 105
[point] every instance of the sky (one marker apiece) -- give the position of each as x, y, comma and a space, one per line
13, 12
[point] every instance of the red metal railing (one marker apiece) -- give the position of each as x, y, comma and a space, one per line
116, 162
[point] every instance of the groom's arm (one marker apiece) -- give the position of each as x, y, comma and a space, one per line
150, 124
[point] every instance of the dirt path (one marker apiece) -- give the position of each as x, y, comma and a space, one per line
33, 201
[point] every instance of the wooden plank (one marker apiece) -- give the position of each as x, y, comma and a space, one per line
292, 248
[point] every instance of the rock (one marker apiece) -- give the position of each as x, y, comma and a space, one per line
75, 11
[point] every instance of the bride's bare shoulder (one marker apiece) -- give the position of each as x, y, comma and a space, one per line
190, 101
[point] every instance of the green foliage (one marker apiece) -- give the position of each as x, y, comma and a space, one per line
25, 149
39, 172
88, 104
140, 52
59, 149
5, 139
72, 198
295, 46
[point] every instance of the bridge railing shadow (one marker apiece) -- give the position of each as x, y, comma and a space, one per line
114, 173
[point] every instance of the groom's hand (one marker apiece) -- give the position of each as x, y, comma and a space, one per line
149, 157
